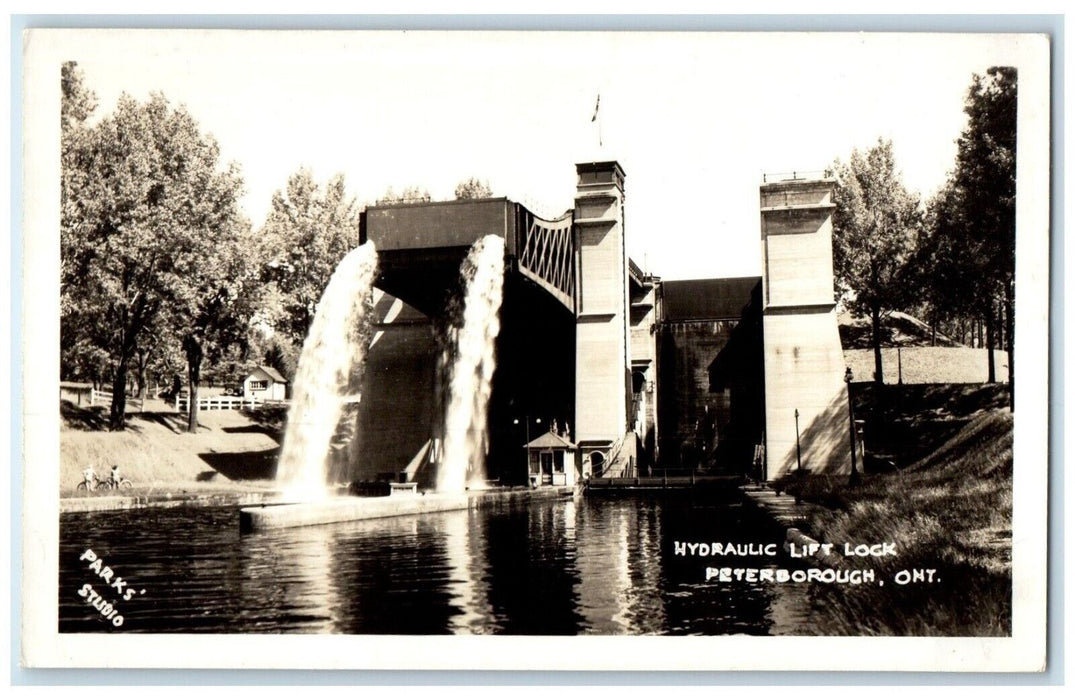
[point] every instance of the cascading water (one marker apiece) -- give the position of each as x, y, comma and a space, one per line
472, 360
333, 350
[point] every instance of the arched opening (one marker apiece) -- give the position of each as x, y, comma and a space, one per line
597, 462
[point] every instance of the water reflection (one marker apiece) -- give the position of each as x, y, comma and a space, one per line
464, 541
646, 610
582, 566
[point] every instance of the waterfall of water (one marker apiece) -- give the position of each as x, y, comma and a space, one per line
472, 360
333, 350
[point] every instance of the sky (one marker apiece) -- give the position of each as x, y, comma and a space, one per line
694, 119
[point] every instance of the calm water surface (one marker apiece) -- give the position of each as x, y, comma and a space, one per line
595, 565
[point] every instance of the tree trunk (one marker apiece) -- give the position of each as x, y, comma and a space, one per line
990, 323
192, 408
878, 372
998, 327
117, 413
193, 349
1009, 321
143, 363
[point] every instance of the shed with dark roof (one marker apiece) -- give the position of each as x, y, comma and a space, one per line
265, 383
551, 461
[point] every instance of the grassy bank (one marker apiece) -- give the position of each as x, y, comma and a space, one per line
950, 511
231, 450
905, 424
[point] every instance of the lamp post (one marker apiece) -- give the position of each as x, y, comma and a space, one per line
526, 448
798, 450
854, 481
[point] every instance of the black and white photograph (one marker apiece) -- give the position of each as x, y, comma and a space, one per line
535, 349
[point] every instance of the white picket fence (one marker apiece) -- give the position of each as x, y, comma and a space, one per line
104, 398
218, 403
182, 402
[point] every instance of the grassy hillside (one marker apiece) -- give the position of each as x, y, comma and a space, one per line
906, 423
927, 365
231, 450
897, 328
950, 511
925, 357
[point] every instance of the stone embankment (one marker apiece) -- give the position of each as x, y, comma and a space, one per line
91, 504
790, 514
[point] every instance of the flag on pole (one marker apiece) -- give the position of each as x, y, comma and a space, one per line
596, 107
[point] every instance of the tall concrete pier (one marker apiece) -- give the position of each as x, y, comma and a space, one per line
804, 364
603, 365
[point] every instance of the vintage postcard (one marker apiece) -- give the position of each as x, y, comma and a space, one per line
535, 350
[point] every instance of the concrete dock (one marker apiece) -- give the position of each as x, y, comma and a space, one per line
98, 503
790, 514
348, 508
637, 483
782, 507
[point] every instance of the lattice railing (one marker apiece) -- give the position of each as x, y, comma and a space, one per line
546, 250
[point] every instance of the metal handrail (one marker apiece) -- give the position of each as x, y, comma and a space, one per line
796, 175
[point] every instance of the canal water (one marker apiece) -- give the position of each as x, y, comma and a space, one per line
594, 565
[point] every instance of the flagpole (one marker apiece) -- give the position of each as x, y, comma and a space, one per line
597, 118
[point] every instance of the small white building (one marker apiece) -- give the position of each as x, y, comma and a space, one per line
551, 461
265, 384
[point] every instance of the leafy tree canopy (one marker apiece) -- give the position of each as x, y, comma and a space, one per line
875, 230
473, 188
146, 212
307, 233
970, 251
410, 195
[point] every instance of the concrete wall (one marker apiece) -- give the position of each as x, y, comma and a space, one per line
438, 224
395, 416
796, 222
645, 313
603, 367
692, 418
804, 368
804, 362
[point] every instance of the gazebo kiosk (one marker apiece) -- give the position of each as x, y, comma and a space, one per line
551, 461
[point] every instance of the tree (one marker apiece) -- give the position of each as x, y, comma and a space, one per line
968, 257
308, 232
983, 186
82, 353
77, 104
473, 188
875, 230
145, 207
214, 315
410, 195
940, 265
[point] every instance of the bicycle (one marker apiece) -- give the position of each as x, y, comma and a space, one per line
108, 484
112, 484
89, 484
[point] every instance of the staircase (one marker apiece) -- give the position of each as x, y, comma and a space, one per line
623, 458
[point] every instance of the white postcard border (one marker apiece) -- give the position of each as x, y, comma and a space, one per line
43, 646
